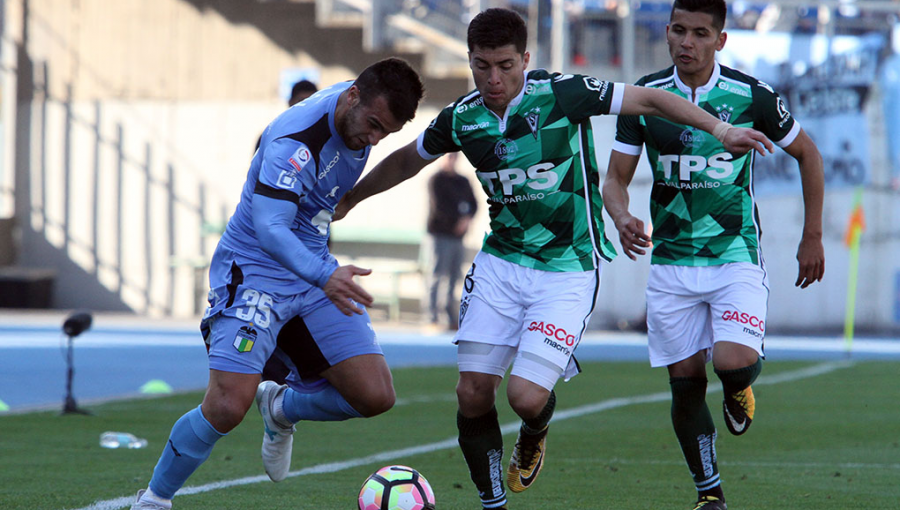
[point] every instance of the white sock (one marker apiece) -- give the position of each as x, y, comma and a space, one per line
278, 409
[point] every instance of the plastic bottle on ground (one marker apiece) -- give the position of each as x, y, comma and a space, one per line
121, 440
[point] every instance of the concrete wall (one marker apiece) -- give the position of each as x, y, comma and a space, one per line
136, 121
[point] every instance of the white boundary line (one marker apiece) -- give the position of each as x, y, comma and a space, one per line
392, 455
841, 465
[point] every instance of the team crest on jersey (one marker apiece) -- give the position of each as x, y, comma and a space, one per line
725, 112
245, 338
506, 149
533, 118
692, 138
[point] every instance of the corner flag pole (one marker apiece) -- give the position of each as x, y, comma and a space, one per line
855, 228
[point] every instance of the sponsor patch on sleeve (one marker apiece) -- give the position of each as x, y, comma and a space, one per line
300, 158
297, 161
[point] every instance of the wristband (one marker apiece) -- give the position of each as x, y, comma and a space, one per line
720, 130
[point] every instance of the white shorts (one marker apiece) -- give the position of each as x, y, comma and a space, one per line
540, 314
691, 308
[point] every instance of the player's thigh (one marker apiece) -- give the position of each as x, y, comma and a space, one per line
560, 307
738, 308
484, 358
365, 382
481, 369
242, 336
678, 318
492, 307
320, 337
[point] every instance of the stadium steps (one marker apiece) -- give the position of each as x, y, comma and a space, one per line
338, 38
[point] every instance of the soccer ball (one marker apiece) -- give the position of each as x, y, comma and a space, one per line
396, 488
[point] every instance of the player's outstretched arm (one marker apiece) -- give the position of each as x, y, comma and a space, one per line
272, 220
344, 292
400, 165
810, 253
632, 235
657, 102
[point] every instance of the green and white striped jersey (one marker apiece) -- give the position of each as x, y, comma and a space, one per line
702, 204
537, 166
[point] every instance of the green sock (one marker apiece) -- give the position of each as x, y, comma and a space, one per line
535, 425
736, 380
482, 446
695, 430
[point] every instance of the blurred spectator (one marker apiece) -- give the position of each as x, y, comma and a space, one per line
300, 91
575, 14
452, 205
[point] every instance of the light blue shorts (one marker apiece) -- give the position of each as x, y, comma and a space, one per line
244, 326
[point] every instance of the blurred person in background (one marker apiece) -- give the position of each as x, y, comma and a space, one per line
531, 290
272, 276
300, 91
708, 288
451, 208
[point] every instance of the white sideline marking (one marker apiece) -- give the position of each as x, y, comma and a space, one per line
841, 465
387, 456
424, 399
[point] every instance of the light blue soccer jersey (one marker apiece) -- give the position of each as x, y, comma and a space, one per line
301, 159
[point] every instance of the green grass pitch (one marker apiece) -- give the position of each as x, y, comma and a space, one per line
826, 436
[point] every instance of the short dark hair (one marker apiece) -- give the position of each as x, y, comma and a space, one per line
394, 79
493, 28
303, 86
715, 8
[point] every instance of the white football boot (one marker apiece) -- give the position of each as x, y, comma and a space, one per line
278, 440
148, 505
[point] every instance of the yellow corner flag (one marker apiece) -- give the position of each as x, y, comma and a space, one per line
855, 228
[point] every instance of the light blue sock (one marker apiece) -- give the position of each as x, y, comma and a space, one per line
190, 443
323, 405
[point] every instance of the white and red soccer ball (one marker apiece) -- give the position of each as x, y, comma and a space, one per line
396, 488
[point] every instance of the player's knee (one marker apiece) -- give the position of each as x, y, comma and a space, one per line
475, 399
224, 414
528, 405
733, 356
376, 402
227, 400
